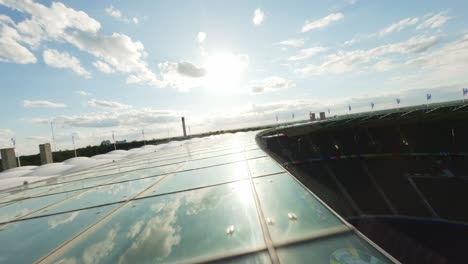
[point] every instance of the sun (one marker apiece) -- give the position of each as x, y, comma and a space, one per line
224, 71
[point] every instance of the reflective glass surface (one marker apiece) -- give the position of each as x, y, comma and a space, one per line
263, 166
24, 207
27, 193
254, 258
196, 164
100, 195
200, 208
291, 211
200, 177
343, 249
175, 227
29, 240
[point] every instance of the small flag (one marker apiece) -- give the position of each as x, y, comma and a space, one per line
428, 97
13, 140
465, 91
349, 107
398, 101
372, 105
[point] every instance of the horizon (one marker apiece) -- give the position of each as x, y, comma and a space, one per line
93, 69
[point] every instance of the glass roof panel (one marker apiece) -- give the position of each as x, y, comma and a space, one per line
264, 166
255, 153
345, 248
83, 184
290, 210
255, 258
27, 193
142, 173
101, 195
27, 241
200, 177
176, 227
24, 207
196, 164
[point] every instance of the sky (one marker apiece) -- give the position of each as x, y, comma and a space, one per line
97, 68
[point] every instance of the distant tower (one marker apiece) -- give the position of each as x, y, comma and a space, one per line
46, 153
183, 126
8, 158
322, 115
312, 116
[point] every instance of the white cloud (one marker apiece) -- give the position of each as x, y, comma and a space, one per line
50, 23
307, 53
125, 118
384, 65
61, 23
292, 43
191, 70
322, 22
400, 25
117, 14
258, 17
120, 53
63, 60
271, 84
83, 93
434, 21
103, 67
352, 60
113, 12
352, 41
107, 104
182, 75
443, 66
201, 36
11, 48
39, 103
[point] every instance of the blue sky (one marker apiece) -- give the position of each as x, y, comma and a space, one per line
93, 67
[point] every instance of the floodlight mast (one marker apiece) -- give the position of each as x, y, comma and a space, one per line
74, 145
113, 138
53, 134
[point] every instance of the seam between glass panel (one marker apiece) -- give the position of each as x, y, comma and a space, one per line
225, 256
155, 159
140, 198
327, 233
78, 192
125, 161
266, 233
96, 224
109, 164
169, 164
110, 182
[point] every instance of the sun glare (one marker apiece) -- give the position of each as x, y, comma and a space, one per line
223, 71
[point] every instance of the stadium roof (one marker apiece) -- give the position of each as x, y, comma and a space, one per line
213, 199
